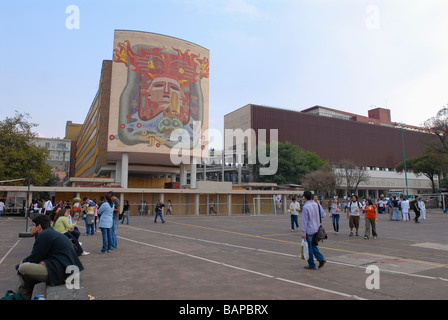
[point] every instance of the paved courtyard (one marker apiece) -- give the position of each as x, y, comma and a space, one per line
252, 258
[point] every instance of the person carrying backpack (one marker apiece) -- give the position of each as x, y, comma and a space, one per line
354, 208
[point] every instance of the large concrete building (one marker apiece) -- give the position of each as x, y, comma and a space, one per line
154, 85
59, 151
373, 142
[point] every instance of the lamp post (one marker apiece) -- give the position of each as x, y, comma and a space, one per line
27, 234
404, 161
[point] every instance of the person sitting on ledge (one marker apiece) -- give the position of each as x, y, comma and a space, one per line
52, 253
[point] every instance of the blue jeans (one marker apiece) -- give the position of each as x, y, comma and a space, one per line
294, 221
313, 252
159, 213
396, 214
107, 239
90, 228
114, 234
125, 215
335, 219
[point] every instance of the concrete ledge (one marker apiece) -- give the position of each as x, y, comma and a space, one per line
61, 292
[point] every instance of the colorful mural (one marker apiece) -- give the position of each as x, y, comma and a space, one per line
163, 93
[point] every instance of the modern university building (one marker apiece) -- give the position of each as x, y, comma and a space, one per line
374, 142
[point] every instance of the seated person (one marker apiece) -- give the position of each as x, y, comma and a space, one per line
52, 253
74, 231
61, 225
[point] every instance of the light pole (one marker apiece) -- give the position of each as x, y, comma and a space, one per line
27, 234
404, 161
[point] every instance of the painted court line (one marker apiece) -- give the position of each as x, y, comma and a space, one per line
283, 254
243, 269
9, 251
333, 249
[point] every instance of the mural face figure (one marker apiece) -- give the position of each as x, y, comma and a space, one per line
166, 95
163, 93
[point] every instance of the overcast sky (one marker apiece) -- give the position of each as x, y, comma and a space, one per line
351, 55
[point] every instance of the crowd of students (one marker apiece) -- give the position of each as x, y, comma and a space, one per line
57, 244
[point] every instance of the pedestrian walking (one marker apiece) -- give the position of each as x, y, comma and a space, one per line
294, 208
422, 206
169, 208
159, 211
212, 207
416, 208
371, 216
335, 214
354, 208
312, 213
125, 212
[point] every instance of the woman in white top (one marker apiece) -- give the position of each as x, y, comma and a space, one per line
422, 206
335, 214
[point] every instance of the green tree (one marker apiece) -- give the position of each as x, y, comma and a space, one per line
429, 164
293, 164
19, 158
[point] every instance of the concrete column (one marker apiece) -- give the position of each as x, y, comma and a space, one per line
223, 166
183, 175
193, 173
121, 202
118, 171
284, 203
229, 204
217, 203
124, 169
196, 204
239, 173
207, 208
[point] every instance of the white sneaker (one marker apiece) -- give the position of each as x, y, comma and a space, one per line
85, 253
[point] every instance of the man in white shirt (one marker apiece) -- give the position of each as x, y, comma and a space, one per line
294, 209
405, 209
48, 207
2, 207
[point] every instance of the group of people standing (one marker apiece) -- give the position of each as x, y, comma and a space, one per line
312, 214
399, 210
103, 214
395, 206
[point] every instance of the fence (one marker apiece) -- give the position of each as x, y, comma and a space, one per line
183, 201
435, 200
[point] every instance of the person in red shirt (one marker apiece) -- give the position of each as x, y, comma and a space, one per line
371, 218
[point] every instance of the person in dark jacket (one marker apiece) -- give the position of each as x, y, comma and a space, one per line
52, 253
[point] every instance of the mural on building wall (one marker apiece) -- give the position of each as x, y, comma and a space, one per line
163, 93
